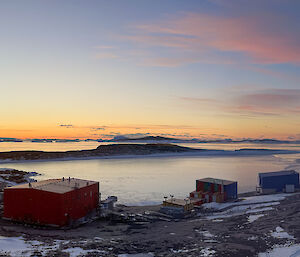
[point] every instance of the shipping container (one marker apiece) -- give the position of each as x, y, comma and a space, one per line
216, 187
216, 190
199, 186
230, 191
212, 185
197, 202
206, 186
219, 197
214, 198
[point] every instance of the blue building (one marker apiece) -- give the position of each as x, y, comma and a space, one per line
279, 181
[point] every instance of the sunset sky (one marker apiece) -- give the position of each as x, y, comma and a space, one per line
192, 69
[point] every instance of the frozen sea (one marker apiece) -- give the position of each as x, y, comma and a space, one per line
141, 181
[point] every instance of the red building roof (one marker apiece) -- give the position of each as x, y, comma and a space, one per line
59, 186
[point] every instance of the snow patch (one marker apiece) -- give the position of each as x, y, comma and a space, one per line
136, 255
205, 233
15, 246
279, 233
254, 217
217, 220
247, 201
282, 250
18, 247
237, 211
78, 251
253, 204
207, 252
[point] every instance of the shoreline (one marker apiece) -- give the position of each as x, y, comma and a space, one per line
205, 153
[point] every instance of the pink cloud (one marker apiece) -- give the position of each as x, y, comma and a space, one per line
202, 34
267, 102
276, 101
200, 100
106, 55
168, 62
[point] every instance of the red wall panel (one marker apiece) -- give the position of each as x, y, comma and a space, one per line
36, 206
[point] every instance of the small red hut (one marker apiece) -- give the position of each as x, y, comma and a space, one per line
59, 202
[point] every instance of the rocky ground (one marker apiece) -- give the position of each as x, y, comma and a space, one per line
197, 236
10, 177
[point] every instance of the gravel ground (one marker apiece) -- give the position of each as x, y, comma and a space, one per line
196, 236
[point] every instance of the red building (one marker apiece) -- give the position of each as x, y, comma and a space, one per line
59, 202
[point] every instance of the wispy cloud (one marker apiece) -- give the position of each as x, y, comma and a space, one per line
200, 37
168, 62
104, 47
66, 125
98, 128
200, 100
274, 101
106, 55
250, 36
271, 102
273, 97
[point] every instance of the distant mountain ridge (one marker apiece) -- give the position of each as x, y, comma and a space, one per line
154, 139
147, 138
195, 140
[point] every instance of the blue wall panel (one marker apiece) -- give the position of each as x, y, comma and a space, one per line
278, 182
231, 190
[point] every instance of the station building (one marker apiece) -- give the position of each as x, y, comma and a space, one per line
57, 202
278, 181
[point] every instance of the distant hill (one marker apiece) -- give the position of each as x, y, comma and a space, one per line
146, 138
100, 151
133, 150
